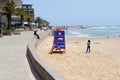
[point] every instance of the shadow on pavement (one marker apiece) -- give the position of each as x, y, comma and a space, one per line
35, 74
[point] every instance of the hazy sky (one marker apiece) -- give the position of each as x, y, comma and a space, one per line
77, 12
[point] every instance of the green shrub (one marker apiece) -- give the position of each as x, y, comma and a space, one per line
7, 32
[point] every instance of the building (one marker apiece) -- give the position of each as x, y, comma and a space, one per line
16, 19
28, 8
2, 3
18, 3
3, 18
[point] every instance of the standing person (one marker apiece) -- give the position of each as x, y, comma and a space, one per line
35, 33
88, 47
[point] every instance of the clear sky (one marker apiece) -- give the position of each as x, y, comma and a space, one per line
77, 12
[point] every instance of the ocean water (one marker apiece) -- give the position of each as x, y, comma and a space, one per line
94, 31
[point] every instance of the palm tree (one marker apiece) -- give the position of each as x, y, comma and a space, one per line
20, 12
28, 17
9, 9
45, 23
39, 21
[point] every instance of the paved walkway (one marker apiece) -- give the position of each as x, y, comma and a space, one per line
13, 62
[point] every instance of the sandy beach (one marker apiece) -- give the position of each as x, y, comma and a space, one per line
103, 63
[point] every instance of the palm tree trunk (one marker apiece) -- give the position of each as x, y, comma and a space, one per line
9, 21
40, 26
21, 21
29, 24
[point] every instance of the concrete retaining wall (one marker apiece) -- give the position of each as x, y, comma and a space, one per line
41, 67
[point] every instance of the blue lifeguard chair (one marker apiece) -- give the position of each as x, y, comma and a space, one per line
59, 41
